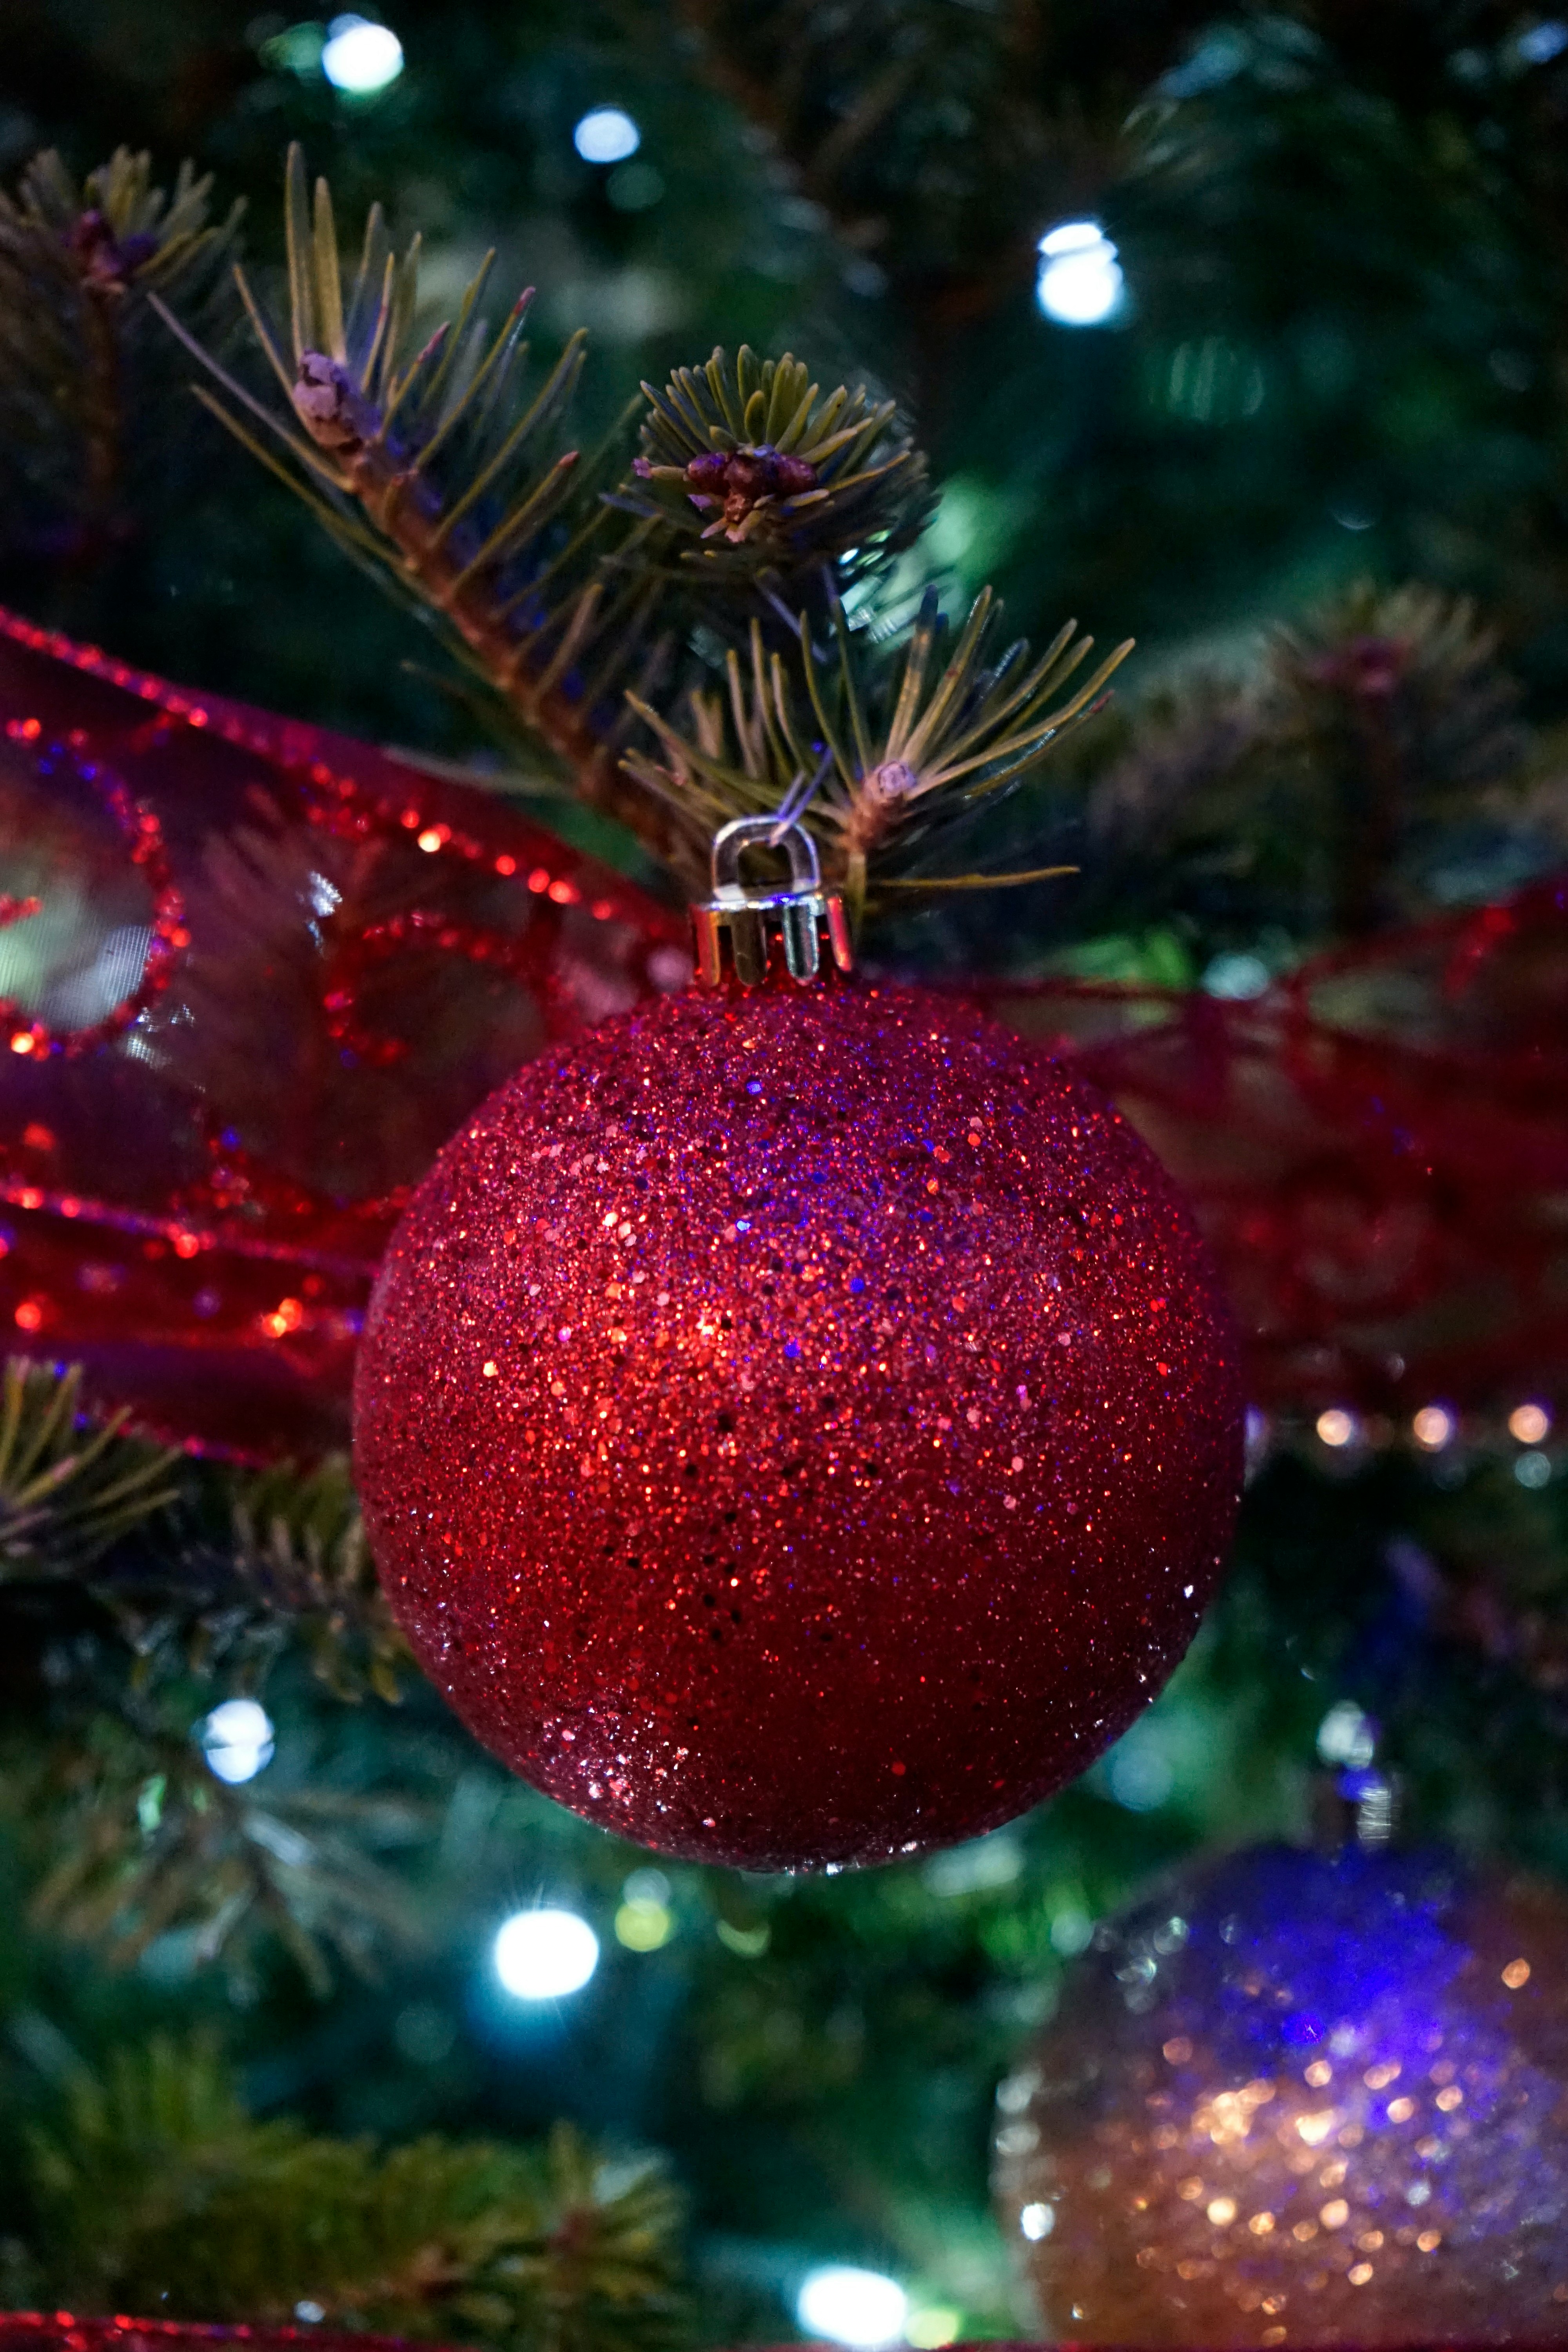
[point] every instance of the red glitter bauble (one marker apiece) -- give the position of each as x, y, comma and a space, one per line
797, 1427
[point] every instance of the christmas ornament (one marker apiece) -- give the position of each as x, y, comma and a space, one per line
1302, 2099
797, 1425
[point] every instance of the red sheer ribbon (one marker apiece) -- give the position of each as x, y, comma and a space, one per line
62, 2331
252, 973
1377, 1148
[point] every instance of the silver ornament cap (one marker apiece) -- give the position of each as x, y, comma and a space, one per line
739, 930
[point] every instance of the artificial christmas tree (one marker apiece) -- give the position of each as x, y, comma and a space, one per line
1313, 953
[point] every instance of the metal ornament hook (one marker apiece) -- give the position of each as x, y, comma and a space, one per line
746, 922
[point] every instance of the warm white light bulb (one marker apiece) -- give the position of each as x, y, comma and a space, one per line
360, 57
851, 2306
607, 135
543, 1954
1080, 282
237, 1739
1337, 1427
1433, 1427
1530, 1423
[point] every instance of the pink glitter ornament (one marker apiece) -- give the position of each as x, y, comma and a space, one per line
797, 1427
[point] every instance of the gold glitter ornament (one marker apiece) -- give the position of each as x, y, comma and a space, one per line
1300, 2099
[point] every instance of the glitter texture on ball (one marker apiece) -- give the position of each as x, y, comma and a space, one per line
1301, 2100
797, 1427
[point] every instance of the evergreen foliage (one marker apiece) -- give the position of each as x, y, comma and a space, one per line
448, 459
886, 745
1317, 462
68, 1488
442, 466
152, 2189
84, 367
750, 460
1365, 764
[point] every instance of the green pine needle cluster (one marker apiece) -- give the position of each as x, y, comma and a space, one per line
70, 1489
1331, 785
197, 1587
84, 364
591, 605
883, 750
752, 461
440, 464
152, 2189
300, 1556
132, 1839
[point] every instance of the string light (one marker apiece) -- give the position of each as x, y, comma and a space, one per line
544, 1954
860, 2308
606, 135
237, 1739
360, 57
645, 1921
1336, 1427
1080, 282
1528, 1422
932, 2327
1433, 1427
1346, 1736
1543, 42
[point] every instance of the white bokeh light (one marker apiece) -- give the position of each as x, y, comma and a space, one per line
543, 1954
237, 1739
1346, 1736
607, 135
1080, 282
852, 2306
360, 57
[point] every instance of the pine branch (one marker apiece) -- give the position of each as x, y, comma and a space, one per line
82, 370
752, 464
255, 1571
133, 1835
1374, 748
144, 1841
939, 139
444, 468
752, 490
300, 1551
291, 1569
1396, 707
883, 751
69, 1490
154, 2190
